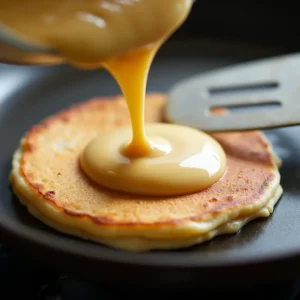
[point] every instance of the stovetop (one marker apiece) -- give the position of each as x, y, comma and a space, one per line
22, 278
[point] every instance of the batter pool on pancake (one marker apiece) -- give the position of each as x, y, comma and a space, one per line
47, 178
180, 163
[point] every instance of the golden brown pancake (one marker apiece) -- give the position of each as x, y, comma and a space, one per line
47, 178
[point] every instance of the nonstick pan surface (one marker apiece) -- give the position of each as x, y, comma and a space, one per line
264, 249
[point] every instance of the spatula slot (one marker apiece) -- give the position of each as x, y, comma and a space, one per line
245, 88
244, 108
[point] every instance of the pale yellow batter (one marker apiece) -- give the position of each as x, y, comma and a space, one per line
179, 163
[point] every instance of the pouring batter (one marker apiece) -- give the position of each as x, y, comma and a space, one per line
123, 37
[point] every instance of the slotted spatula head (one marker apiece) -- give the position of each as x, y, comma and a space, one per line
253, 95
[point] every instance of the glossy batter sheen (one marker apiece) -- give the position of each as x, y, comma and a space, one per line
123, 36
183, 160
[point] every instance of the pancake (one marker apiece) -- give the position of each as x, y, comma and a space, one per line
47, 178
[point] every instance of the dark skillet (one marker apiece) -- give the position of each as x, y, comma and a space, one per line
265, 249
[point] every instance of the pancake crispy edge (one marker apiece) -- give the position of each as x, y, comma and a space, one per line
47, 179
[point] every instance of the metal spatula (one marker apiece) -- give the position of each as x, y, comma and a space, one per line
254, 95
